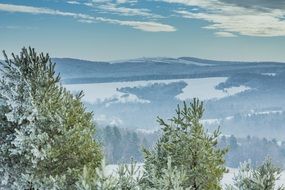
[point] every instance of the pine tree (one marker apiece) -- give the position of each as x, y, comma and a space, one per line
126, 177
46, 134
171, 178
20, 137
190, 148
117, 144
263, 177
99, 181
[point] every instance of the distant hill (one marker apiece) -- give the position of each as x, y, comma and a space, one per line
75, 71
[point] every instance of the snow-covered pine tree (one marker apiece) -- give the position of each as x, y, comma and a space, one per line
20, 137
263, 177
190, 148
171, 178
46, 133
126, 177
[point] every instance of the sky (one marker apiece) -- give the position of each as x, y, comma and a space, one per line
104, 30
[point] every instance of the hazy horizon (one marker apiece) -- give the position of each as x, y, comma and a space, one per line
145, 57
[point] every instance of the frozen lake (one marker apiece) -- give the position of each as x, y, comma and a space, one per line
203, 88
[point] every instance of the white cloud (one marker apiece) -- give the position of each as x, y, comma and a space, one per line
113, 8
231, 18
126, 1
38, 10
117, 1
140, 25
225, 34
88, 4
116, 7
73, 2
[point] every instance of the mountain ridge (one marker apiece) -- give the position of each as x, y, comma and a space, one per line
76, 71
196, 59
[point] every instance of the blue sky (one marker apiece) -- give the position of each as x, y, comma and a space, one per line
247, 30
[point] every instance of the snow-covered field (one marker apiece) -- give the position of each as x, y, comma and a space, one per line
203, 88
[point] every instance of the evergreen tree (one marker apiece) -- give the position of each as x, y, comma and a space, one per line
108, 144
233, 142
263, 177
117, 144
99, 181
134, 146
46, 134
190, 148
126, 177
23, 144
171, 178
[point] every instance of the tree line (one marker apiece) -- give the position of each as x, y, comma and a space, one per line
120, 144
